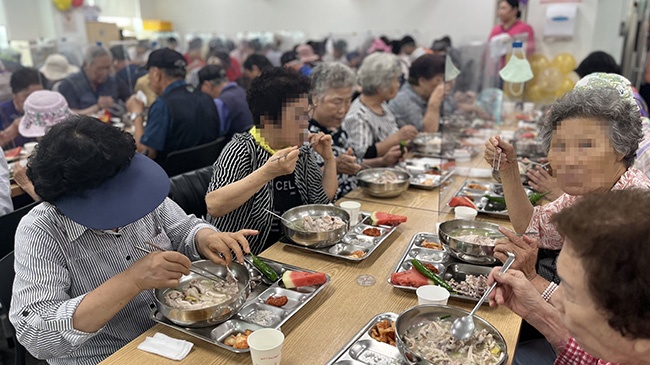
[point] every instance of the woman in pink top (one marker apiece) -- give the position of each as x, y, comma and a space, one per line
509, 15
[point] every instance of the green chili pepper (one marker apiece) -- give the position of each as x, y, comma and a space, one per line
402, 147
496, 199
534, 198
445, 317
265, 269
431, 275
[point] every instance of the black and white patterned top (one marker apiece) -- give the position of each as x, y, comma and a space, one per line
340, 145
365, 128
58, 262
239, 158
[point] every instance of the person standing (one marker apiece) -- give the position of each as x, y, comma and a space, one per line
510, 23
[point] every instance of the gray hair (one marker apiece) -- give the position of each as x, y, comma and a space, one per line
378, 72
93, 52
605, 105
327, 76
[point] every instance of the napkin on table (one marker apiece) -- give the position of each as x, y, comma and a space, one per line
166, 346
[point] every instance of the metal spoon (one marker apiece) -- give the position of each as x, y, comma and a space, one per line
288, 222
463, 327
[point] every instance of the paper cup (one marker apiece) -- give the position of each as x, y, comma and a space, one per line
266, 346
432, 294
353, 209
465, 213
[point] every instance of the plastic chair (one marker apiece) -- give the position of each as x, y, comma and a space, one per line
193, 158
188, 190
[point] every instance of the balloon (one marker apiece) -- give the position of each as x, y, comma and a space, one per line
566, 86
534, 93
77, 3
564, 62
538, 62
550, 79
62, 5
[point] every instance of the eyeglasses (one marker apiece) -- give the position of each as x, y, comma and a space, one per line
310, 111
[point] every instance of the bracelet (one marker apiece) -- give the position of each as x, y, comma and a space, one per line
549, 291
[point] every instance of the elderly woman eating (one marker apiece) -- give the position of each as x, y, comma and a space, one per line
602, 316
264, 169
331, 94
591, 136
370, 124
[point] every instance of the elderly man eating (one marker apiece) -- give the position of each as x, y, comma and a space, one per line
82, 289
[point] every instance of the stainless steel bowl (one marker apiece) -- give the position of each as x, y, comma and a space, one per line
211, 315
383, 190
467, 251
423, 314
428, 143
314, 239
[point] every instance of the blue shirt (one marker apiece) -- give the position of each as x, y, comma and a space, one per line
158, 121
191, 119
8, 114
234, 113
79, 93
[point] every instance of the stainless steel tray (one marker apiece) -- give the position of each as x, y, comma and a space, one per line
363, 349
471, 189
354, 240
447, 266
297, 297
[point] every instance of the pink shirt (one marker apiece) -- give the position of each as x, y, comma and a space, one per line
549, 238
518, 28
573, 354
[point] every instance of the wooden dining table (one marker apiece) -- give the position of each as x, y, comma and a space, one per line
329, 321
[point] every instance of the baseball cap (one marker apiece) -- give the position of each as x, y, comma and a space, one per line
166, 58
123, 199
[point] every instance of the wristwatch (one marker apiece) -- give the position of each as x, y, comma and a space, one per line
133, 116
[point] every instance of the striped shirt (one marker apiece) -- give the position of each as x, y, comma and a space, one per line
58, 262
6, 205
365, 128
240, 158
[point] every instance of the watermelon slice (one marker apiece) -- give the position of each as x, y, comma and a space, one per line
461, 201
294, 279
411, 278
386, 219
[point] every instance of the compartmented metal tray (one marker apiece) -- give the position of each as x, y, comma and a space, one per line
354, 241
429, 173
478, 190
297, 298
365, 350
448, 267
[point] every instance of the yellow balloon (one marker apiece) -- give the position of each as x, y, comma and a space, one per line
566, 86
534, 93
565, 62
550, 79
62, 5
538, 62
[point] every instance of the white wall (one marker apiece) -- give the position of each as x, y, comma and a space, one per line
463, 20
597, 26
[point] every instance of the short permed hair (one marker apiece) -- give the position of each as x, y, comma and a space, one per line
605, 105
613, 244
24, 78
76, 155
272, 90
328, 76
427, 66
377, 72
